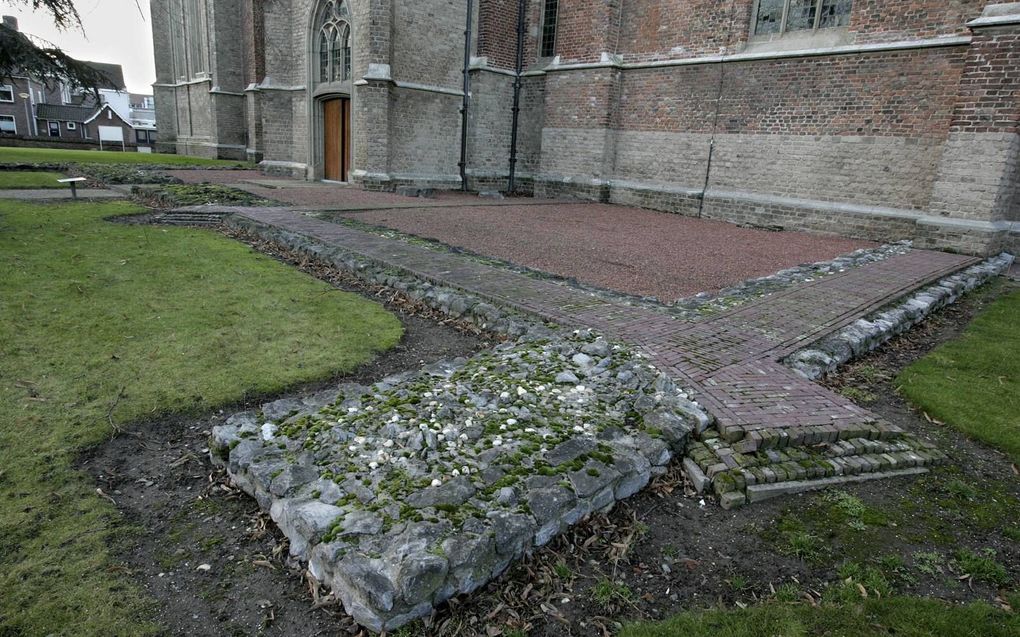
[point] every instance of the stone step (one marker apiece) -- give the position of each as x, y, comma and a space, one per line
715, 455
738, 478
192, 218
747, 439
760, 492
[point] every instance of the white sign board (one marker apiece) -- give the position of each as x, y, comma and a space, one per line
111, 133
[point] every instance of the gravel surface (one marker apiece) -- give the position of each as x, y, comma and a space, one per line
625, 249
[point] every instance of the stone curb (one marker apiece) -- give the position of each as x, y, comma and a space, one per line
867, 334
760, 492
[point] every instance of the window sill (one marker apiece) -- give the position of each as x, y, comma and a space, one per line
799, 40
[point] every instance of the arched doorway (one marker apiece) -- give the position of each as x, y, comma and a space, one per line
336, 138
332, 89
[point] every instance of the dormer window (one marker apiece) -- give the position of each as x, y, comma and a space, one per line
778, 17
334, 43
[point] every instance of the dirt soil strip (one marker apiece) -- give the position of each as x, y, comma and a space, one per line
671, 549
630, 250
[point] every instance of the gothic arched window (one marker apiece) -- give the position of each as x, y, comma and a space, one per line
334, 42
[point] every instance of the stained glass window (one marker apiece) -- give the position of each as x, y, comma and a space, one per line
785, 16
334, 43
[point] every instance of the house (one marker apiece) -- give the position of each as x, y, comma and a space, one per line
143, 118
51, 113
871, 119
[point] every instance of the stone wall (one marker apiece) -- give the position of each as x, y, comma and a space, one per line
200, 107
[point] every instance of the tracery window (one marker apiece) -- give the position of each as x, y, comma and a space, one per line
776, 17
334, 42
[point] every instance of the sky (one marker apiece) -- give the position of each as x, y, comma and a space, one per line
115, 31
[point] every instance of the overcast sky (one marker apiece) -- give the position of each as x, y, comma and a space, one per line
115, 31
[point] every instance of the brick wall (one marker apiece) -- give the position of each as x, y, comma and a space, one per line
497, 32
664, 29
587, 28
424, 133
429, 42
989, 91
489, 122
980, 167
884, 21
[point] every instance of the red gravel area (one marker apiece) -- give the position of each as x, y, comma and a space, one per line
213, 176
626, 249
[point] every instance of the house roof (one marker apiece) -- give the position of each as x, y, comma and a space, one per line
64, 112
113, 72
113, 113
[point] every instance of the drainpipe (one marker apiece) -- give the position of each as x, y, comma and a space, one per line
518, 70
715, 115
467, 99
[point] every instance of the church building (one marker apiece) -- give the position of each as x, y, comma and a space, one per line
875, 119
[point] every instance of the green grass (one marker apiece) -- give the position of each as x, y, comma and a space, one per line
101, 322
10, 155
982, 566
608, 593
973, 382
903, 617
10, 179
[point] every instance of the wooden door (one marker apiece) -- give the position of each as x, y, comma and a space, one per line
336, 143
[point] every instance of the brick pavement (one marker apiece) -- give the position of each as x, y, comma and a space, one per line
776, 431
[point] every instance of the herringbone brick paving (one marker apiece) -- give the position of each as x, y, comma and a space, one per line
731, 360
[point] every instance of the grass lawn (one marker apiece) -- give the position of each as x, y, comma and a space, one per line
10, 179
904, 617
973, 383
11, 155
103, 323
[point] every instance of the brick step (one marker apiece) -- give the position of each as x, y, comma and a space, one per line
192, 218
739, 478
747, 439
